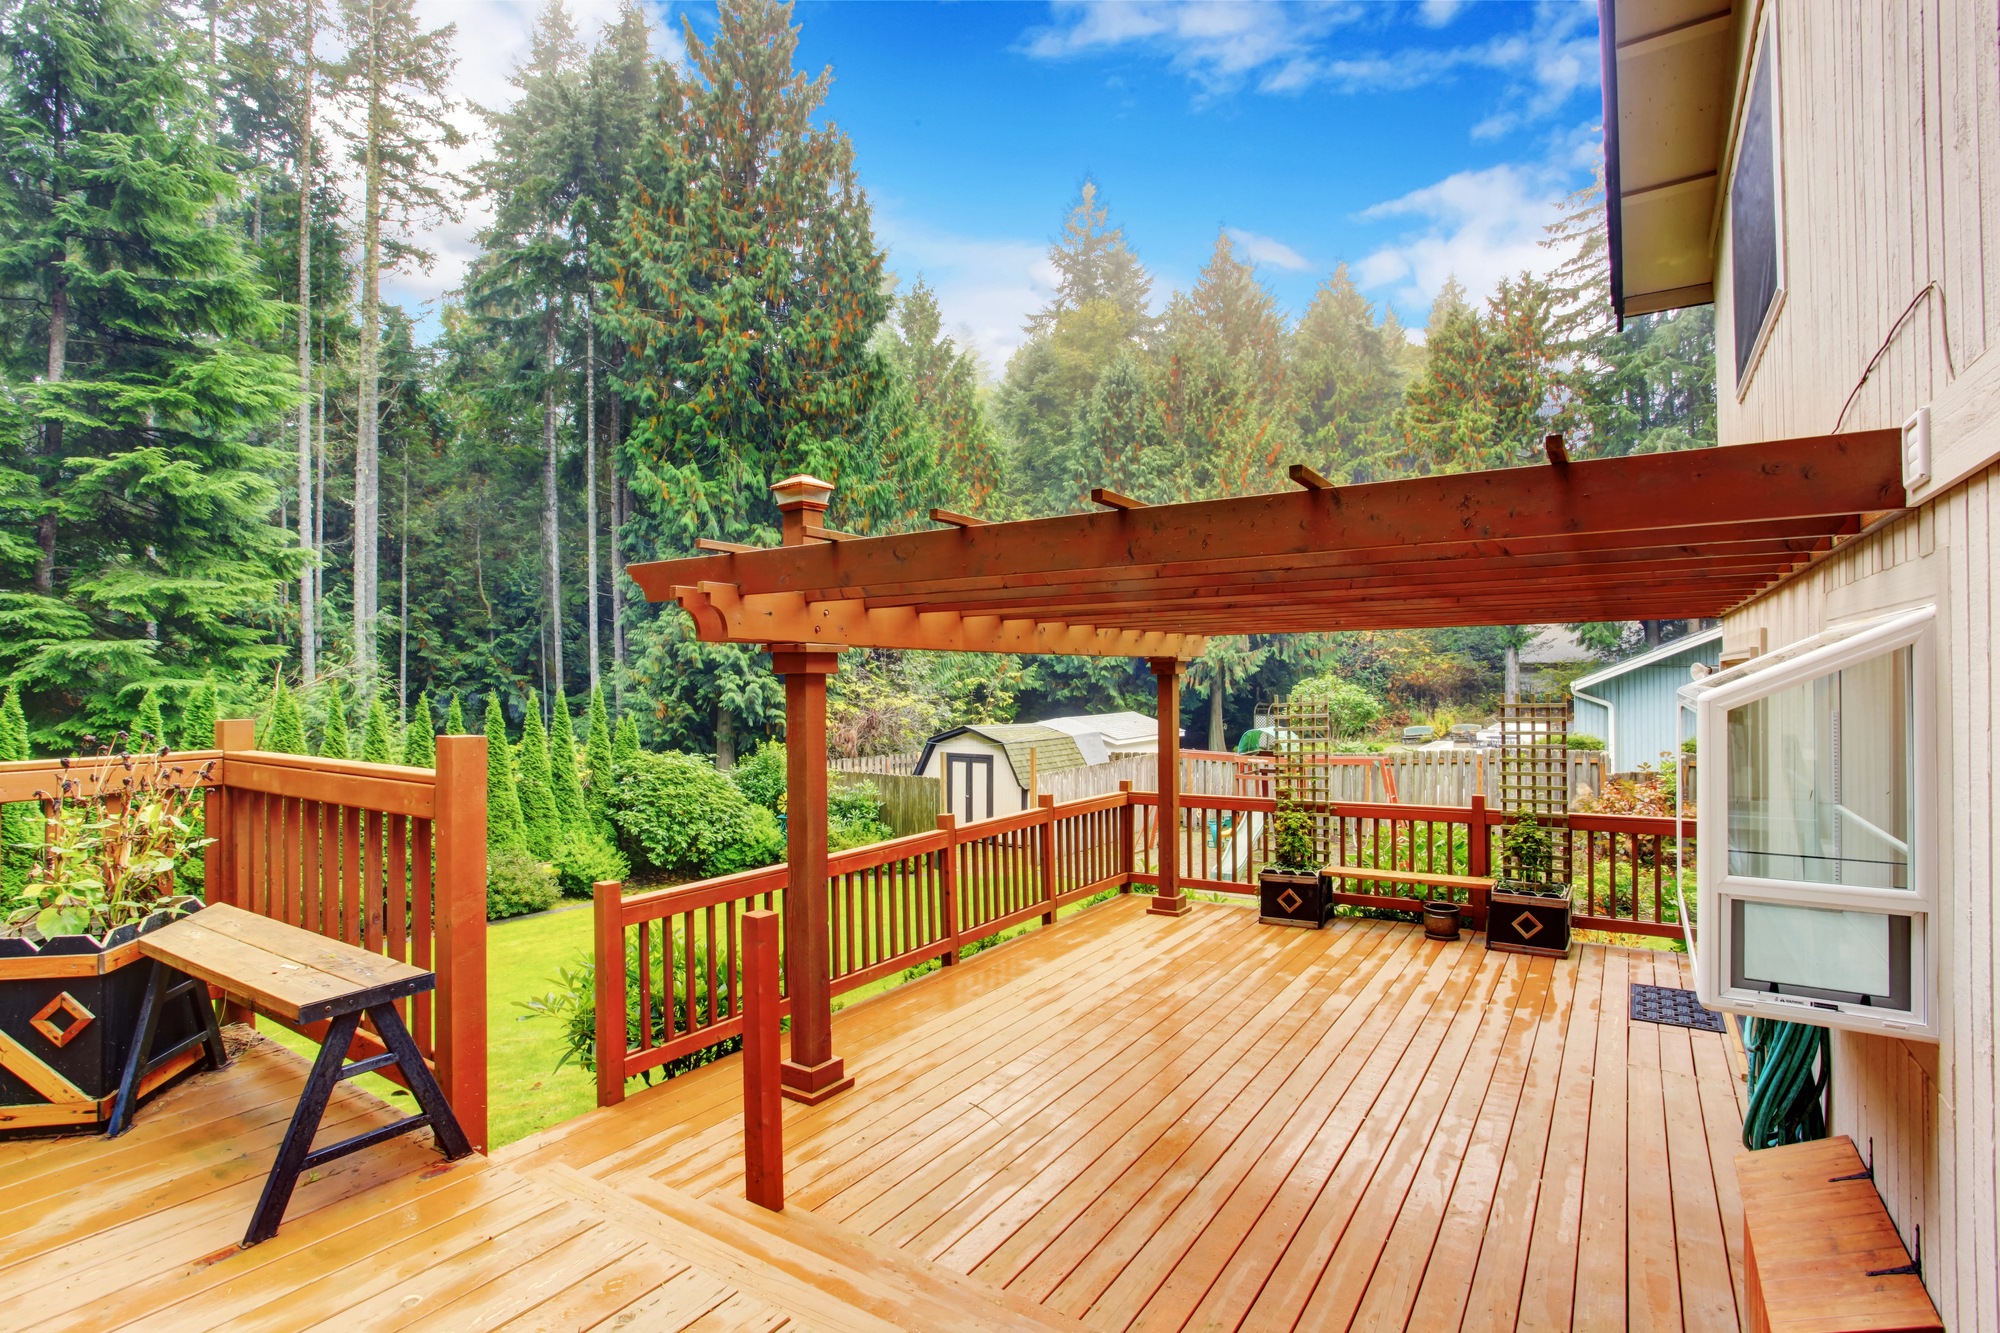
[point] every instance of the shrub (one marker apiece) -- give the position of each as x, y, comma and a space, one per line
854, 817
1580, 741
517, 884
675, 813
761, 776
573, 1003
1351, 709
582, 859
762, 843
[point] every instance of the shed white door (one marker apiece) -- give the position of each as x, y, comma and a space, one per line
968, 786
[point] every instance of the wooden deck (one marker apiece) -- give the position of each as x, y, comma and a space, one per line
1129, 1121
1154, 1123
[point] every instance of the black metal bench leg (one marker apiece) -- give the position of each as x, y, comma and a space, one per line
292, 1154
451, 1140
161, 990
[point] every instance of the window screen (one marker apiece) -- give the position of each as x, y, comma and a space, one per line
1821, 779
1753, 218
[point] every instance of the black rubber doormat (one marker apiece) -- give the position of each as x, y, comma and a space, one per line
1675, 1008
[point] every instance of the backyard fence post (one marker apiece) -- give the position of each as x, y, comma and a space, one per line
948, 825
1127, 836
1048, 805
607, 898
226, 865
1478, 849
763, 1106
459, 1028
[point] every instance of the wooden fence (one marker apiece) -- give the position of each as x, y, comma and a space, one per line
389, 858
904, 902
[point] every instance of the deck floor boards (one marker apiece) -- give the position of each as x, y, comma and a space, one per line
1157, 1123
1141, 1122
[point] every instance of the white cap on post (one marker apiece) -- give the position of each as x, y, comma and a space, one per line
803, 492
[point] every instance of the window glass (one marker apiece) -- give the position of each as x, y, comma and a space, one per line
1821, 779
1816, 948
1753, 218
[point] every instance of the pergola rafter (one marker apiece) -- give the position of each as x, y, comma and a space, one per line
1651, 537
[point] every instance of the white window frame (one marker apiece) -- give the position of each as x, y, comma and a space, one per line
1717, 889
1766, 48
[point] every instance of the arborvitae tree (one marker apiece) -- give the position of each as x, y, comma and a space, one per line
420, 748
378, 742
287, 728
538, 804
135, 382
333, 741
747, 283
149, 732
597, 762
625, 747
505, 827
18, 819
563, 782
198, 717
454, 721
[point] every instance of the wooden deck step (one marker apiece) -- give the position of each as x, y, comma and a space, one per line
821, 1274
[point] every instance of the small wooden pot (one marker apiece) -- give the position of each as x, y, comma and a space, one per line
1441, 920
69, 1015
1290, 898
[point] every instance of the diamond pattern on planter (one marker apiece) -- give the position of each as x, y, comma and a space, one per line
80, 1018
1528, 926
1290, 900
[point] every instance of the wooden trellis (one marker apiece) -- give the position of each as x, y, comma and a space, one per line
1534, 778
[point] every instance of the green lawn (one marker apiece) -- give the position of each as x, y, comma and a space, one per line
524, 1092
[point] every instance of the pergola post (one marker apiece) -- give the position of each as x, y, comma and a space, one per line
1168, 900
813, 1073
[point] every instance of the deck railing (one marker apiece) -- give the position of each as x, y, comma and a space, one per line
901, 903
386, 857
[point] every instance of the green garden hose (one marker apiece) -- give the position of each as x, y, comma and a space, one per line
1791, 1067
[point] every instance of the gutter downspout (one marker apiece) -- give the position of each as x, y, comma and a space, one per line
1610, 726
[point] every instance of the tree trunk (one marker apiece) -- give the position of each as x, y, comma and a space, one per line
45, 527
308, 646
725, 739
1652, 630
1513, 681
1216, 734
403, 571
366, 407
617, 558
45, 560
550, 529
590, 482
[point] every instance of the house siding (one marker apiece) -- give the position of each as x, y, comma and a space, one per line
1891, 177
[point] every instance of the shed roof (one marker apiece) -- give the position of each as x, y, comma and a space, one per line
1666, 652
1054, 751
1114, 727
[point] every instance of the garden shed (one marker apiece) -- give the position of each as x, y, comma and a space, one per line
985, 768
1631, 705
1121, 733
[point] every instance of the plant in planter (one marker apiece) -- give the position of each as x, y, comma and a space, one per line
1291, 891
1528, 910
116, 832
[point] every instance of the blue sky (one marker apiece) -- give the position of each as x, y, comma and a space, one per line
1410, 140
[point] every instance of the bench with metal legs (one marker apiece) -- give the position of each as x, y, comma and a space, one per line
162, 989
302, 978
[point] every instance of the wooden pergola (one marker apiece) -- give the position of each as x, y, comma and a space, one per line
1648, 537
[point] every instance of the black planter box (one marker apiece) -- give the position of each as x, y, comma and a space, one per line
71, 1006
1528, 918
1285, 898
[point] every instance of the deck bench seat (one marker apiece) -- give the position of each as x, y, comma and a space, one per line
1820, 1251
1476, 887
298, 977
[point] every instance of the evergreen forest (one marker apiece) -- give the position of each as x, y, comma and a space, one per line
235, 480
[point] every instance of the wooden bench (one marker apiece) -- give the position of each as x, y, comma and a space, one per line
299, 977
1820, 1252
1476, 887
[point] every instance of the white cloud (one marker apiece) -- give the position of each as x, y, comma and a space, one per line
1268, 250
987, 287
1479, 226
1286, 48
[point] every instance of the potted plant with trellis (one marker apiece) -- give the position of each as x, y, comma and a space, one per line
1293, 890
117, 831
1528, 910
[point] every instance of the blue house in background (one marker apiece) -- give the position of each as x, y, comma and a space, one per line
1631, 706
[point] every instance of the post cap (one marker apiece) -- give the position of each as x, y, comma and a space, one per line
803, 491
